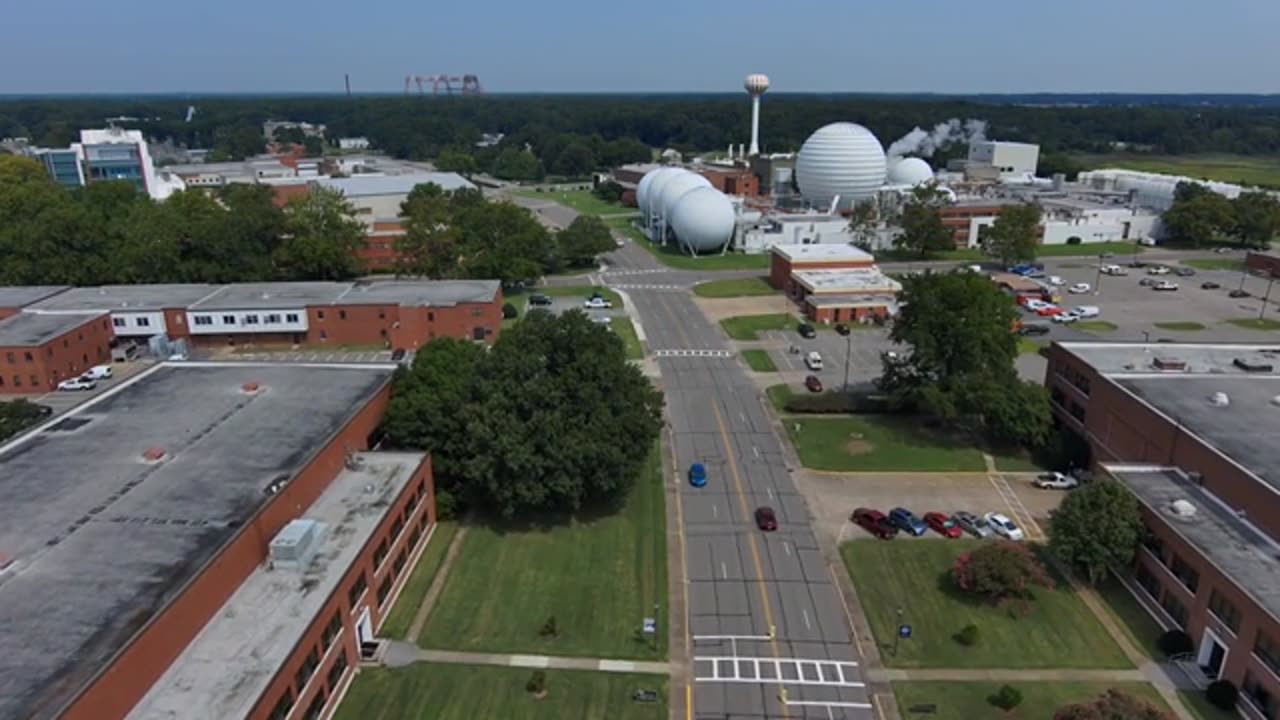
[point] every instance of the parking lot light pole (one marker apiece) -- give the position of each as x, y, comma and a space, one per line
1097, 278
848, 348
1271, 278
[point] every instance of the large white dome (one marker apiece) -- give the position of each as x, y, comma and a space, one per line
703, 219
841, 159
661, 177
671, 191
910, 171
643, 194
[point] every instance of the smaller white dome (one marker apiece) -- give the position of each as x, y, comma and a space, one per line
910, 171
703, 219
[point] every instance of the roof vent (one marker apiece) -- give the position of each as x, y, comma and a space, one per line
293, 547
1220, 399
1168, 363
1182, 508
153, 454
1275, 400
250, 388
1253, 366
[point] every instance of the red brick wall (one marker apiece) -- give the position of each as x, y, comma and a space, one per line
779, 271
828, 315
379, 254
137, 667
66, 356
1263, 262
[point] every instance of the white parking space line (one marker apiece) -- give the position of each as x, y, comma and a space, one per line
807, 626
1016, 508
724, 570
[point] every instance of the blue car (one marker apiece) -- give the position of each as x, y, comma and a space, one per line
905, 520
697, 475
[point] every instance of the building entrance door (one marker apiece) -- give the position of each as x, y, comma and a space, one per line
1212, 654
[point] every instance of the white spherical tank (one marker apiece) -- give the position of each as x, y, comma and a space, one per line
646, 190
842, 159
756, 83
678, 185
703, 219
661, 177
910, 171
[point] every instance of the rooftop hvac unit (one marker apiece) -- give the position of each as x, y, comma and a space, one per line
1182, 508
293, 547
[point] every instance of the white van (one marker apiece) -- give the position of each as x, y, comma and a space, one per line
97, 372
813, 361
1087, 311
1114, 270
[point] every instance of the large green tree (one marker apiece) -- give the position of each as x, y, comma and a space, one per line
513, 164
1012, 238
575, 160
586, 238
960, 364
1257, 216
457, 161
430, 244
864, 224
502, 241
1198, 215
16, 416
1097, 527
322, 237
920, 223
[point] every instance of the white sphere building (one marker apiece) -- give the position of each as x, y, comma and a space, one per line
843, 160
660, 207
910, 171
646, 191
703, 220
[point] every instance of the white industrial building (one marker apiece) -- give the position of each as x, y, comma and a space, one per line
353, 143
1153, 190
378, 197
1003, 161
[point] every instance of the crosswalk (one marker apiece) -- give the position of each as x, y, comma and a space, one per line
646, 271
771, 670
693, 353
618, 286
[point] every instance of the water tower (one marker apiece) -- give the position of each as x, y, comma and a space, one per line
756, 85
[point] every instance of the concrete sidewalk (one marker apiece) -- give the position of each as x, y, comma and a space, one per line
399, 654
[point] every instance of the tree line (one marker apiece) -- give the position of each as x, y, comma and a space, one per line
1199, 216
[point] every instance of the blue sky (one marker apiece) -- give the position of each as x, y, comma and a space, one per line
651, 45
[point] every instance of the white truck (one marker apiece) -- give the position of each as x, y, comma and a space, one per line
813, 361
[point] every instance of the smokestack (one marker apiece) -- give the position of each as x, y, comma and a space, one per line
347, 78
756, 85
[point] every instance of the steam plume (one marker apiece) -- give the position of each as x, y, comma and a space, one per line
926, 142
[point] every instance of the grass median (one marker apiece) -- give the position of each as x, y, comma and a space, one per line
1040, 701
626, 331
599, 577
1256, 323
759, 360
1095, 326
734, 287
1231, 264
749, 327
1180, 326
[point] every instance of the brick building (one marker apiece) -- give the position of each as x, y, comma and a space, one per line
833, 283
965, 220
389, 313
740, 181
1194, 432
38, 351
204, 541
1263, 263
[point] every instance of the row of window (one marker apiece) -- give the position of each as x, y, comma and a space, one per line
267, 319
285, 704
138, 321
1077, 379
1259, 696
35, 380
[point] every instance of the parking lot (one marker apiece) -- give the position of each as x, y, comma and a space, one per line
862, 346
63, 400
563, 304
834, 496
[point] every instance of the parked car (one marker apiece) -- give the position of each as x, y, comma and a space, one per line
1003, 526
806, 331
601, 319
1055, 481
813, 383
1033, 304
906, 520
973, 524
1079, 289
179, 357
597, 303
766, 519
1222, 250
942, 524
1055, 280
1157, 270
1087, 311
1113, 270
97, 372
1033, 329
1209, 285
1238, 293
539, 300
77, 383
1147, 282
842, 329
1165, 285
1065, 318
698, 475
1048, 311
398, 354
1184, 271
874, 522
813, 361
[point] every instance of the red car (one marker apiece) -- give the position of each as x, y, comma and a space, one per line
1049, 311
942, 524
766, 519
874, 522
813, 383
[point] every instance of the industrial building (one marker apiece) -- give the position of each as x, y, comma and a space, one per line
1002, 161
1193, 431
833, 283
1154, 190
204, 541
110, 154
39, 351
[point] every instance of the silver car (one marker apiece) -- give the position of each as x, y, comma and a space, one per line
973, 524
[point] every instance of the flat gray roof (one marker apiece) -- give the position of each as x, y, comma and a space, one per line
1201, 358
232, 661
1233, 545
126, 298
366, 185
434, 293
22, 295
98, 539
29, 328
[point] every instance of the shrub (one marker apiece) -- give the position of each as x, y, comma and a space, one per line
1222, 694
1074, 240
1111, 705
1000, 571
1175, 642
1006, 698
968, 635
838, 403
446, 505
550, 628
537, 684
509, 311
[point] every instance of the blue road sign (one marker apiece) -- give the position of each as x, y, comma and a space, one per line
650, 626
904, 631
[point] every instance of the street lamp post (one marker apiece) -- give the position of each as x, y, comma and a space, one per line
848, 348
1097, 278
1271, 278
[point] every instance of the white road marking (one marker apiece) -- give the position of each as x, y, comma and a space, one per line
756, 450
742, 415
535, 661
724, 571
715, 511
787, 547
805, 613
616, 665
770, 491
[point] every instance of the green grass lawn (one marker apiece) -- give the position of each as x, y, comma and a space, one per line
759, 360
625, 330
599, 577
1026, 346
1143, 631
581, 200
1244, 169
1058, 631
968, 701
779, 395
1094, 326
1256, 324
879, 443
748, 327
1017, 461
672, 257
1232, 264
400, 618
481, 692
1202, 709
1180, 326
735, 287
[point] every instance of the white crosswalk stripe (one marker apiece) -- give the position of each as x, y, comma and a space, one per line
693, 353
647, 287
647, 271
781, 671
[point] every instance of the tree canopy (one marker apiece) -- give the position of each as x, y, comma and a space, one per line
920, 223
1198, 216
1000, 571
552, 418
1097, 527
586, 238
1012, 238
16, 416
321, 237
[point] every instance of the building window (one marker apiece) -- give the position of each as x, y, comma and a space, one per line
142, 322
408, 509
478, 312
291, 317
324, 335
401, 558
431, 317
1175, 608
17, 381
357, 589
309, 665
1077, 411
228, 319
283, 706
337, 671
1185, 573
342, 314
1155, 545
250, 319
1267, 651
383, 591
320, 314
1259, 696
380, 554
415, 536
1224, 610
396, 527
316, 708
117, 322
27, 356
203, 320
273, 318
11, 357
34, 381
1147, 581
331, 630
382, 314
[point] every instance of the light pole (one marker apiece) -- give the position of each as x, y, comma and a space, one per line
1146, 336
1097, 278
848, 348
1271, 278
